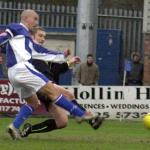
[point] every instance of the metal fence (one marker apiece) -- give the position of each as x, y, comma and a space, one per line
129, 21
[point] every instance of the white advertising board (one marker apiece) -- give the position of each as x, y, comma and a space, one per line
111, 102
114, 102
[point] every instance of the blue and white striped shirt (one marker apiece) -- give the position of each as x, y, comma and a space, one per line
21, 48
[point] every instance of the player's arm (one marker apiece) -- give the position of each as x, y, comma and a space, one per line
4, 38
60, 68
73, 61
41, 53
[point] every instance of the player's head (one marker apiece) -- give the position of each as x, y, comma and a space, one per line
90, 59
38, 34
29, 18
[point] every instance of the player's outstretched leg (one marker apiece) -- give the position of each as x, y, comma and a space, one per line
50, 124
74, 110
45, 126
94, 120
95, 123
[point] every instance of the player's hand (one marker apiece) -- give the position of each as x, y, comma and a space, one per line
77, 59
74, 60
67, 52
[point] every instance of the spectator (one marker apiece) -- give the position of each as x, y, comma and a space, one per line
88, 73
135, 73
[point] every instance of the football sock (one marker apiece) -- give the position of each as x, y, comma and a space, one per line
24, 113
69, 106
76, 103
45, 126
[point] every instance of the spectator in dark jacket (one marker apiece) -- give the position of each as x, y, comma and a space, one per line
135, 74
88, 73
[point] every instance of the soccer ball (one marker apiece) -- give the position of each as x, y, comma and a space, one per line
146, 120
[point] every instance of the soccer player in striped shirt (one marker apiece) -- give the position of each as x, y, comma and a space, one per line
26, 80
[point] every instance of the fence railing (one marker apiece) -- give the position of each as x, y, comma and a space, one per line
129, 21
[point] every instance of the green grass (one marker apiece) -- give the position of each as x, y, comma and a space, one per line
113, 135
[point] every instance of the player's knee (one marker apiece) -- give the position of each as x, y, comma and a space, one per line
63, 123
35, 103
71, 96
50, 91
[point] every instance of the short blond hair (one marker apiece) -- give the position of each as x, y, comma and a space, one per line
26, 13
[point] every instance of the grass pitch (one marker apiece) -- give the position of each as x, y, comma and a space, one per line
113, 135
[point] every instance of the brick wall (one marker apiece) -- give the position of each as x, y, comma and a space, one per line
146, 79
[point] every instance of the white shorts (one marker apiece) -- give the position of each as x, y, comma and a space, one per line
25, 79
